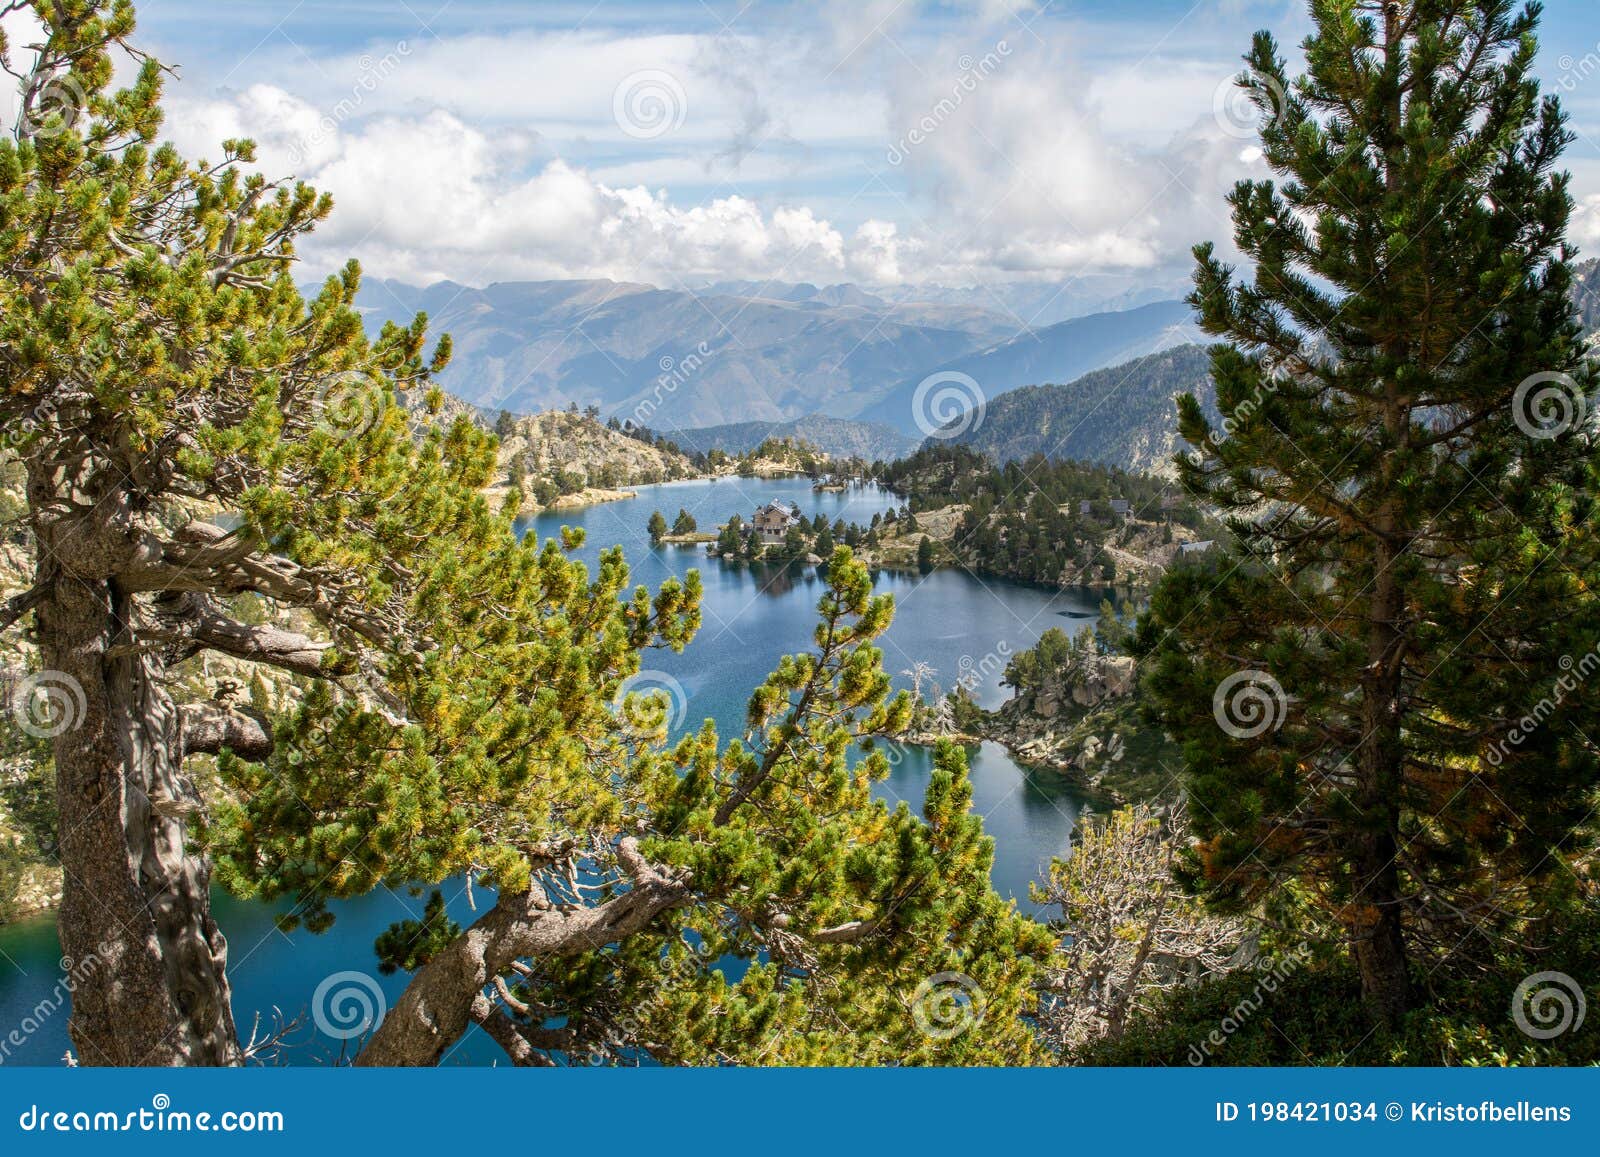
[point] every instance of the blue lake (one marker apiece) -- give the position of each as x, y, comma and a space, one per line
959, 625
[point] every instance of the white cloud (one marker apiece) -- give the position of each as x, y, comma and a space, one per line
1585, 227
1032, 173
431, 196
1042, 152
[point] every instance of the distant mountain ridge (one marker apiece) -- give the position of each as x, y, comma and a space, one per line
671, 358
740, 352
1056, 353
1124, 415
836, 437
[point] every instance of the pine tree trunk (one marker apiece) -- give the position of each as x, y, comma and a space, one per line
1376, 931
135, 919
1379, 940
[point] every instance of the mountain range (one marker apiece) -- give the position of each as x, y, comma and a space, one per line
1058, 353
732, 364
1123, 416
740, 352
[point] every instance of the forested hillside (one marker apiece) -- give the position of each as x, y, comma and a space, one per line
1124, 416
1058, 523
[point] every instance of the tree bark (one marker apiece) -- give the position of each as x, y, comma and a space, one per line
135, 915
1380, 946
446, 994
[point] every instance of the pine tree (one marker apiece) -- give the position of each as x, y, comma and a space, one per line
685, 523
771, 850
657, 527
1414, 569
731, 536
158, 362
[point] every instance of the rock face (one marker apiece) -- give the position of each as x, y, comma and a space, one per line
1112, 678
1081, 719
38, 889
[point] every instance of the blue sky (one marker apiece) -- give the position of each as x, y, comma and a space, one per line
887, 142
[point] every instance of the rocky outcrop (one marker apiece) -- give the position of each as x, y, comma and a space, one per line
1108, 677
581, 452
1083, 721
